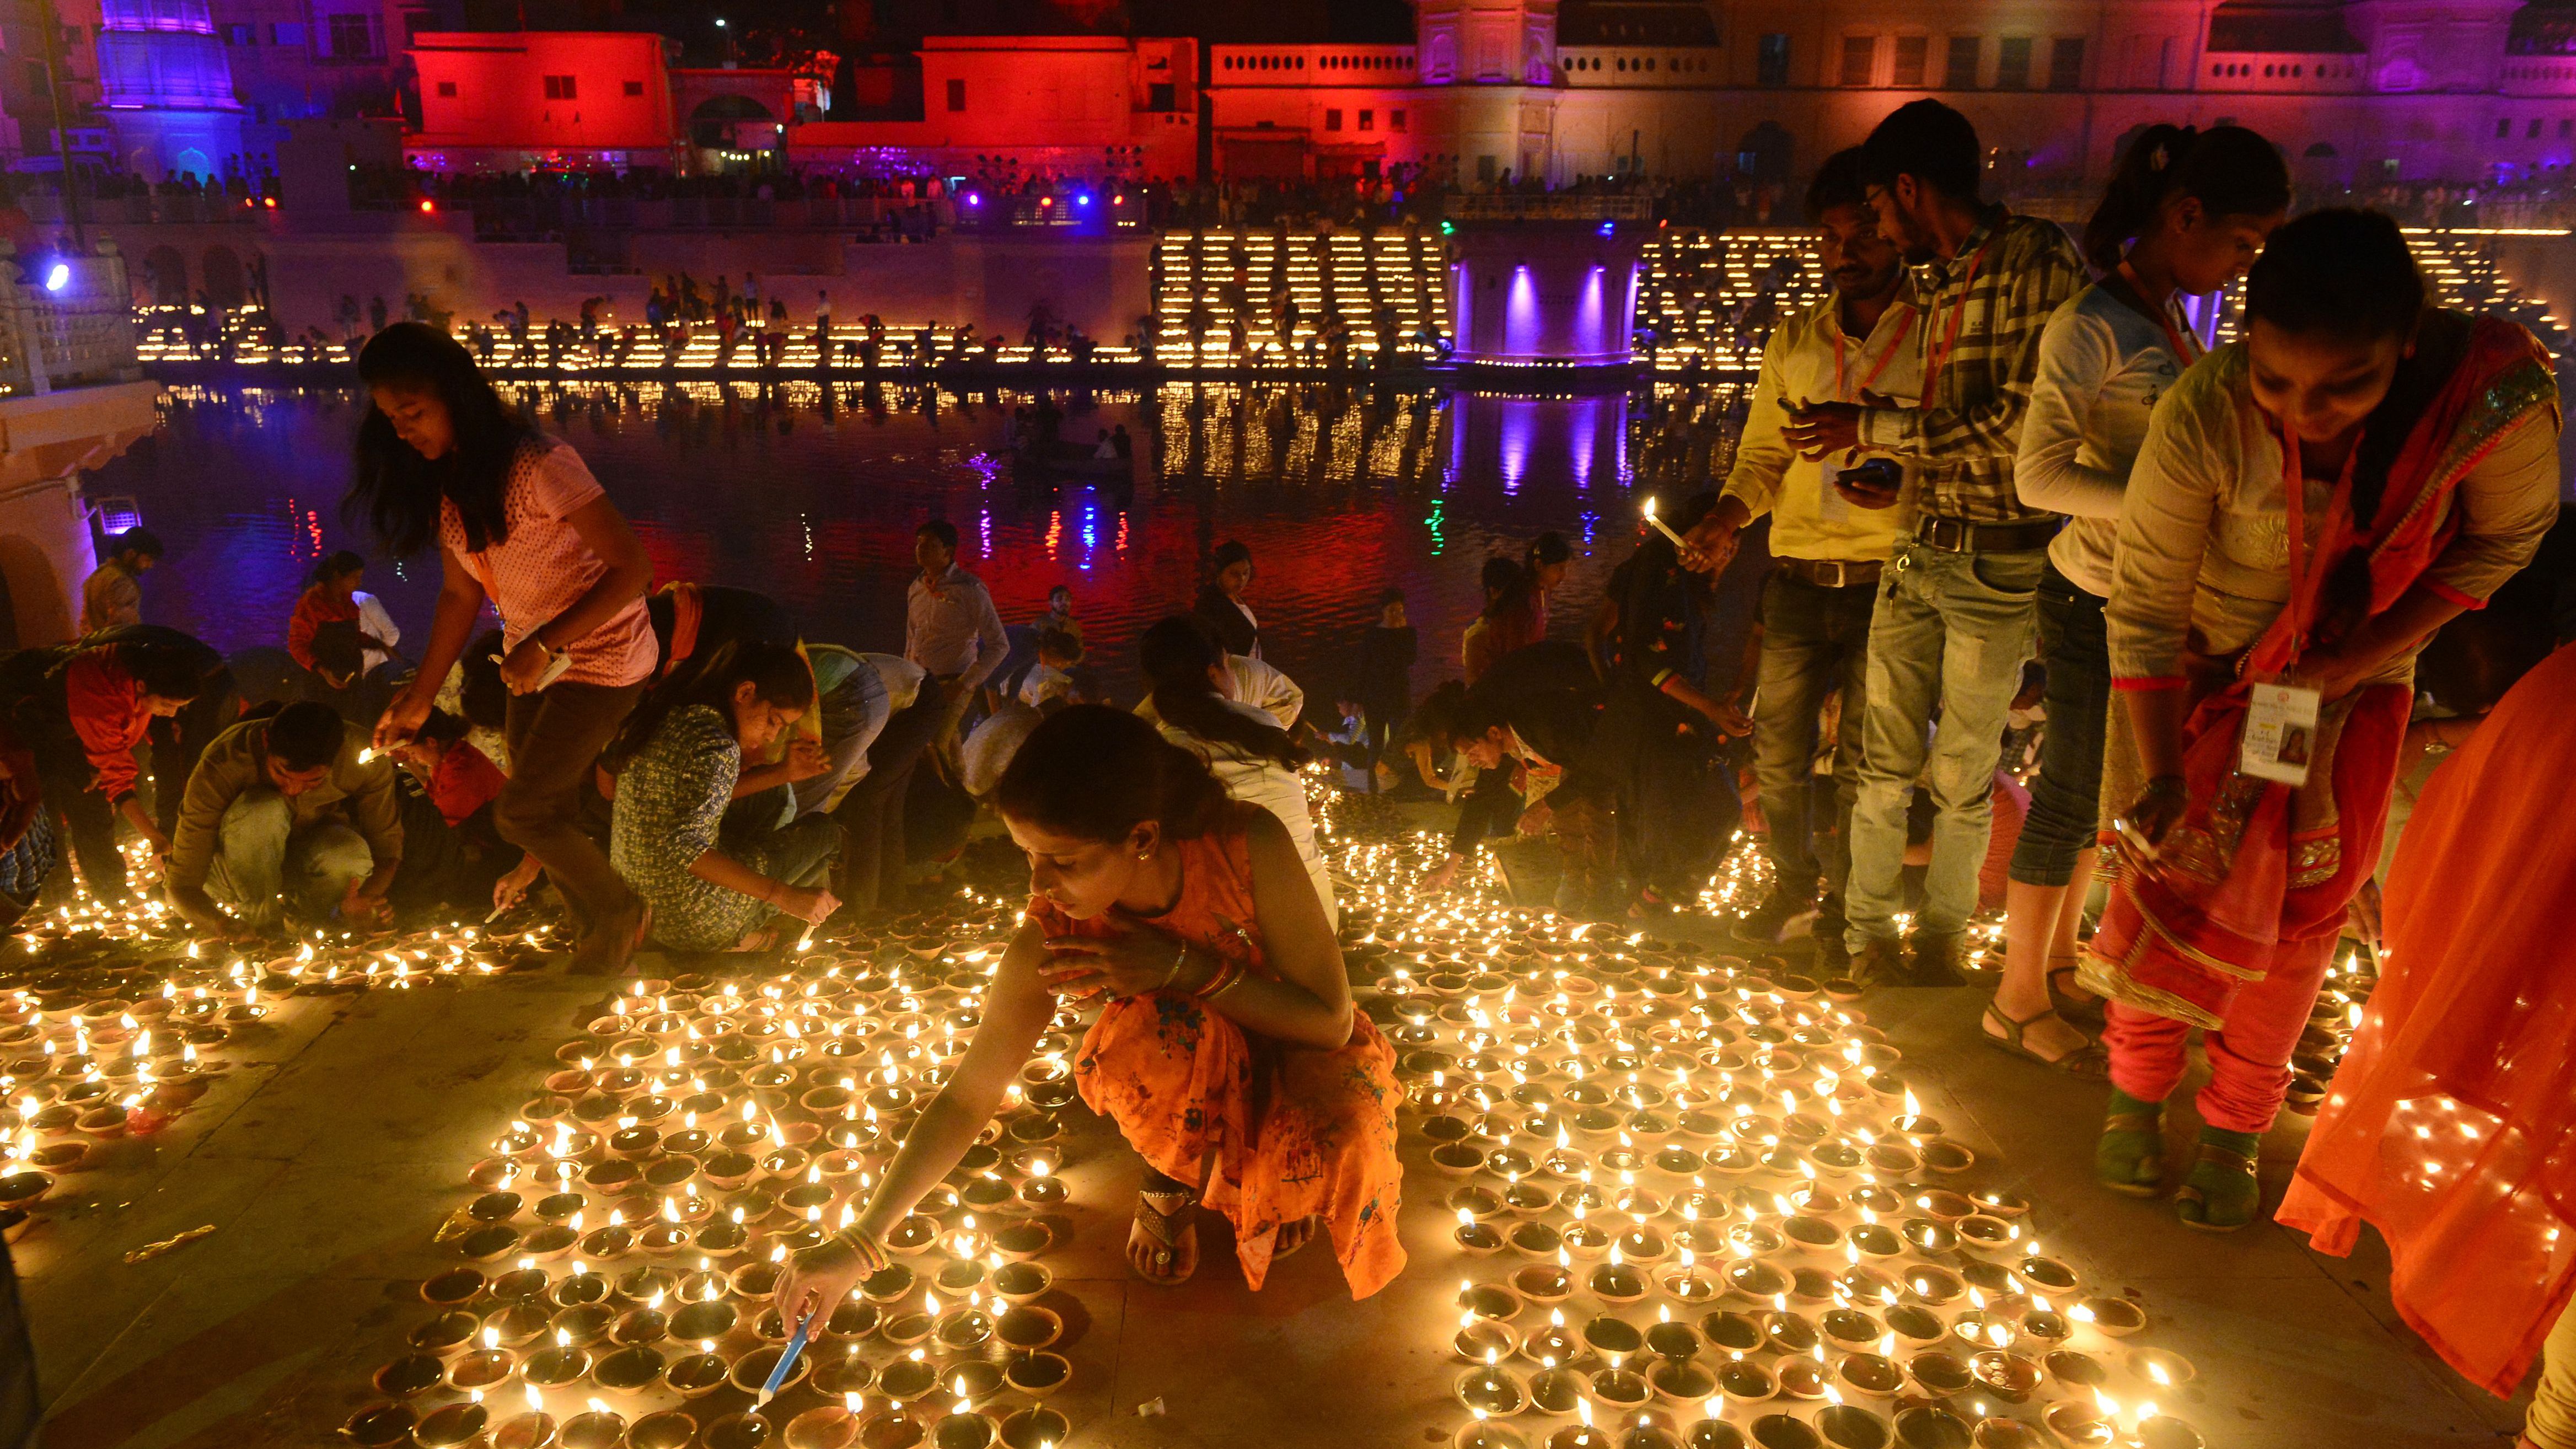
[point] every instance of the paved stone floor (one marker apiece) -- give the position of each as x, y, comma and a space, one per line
325, 1162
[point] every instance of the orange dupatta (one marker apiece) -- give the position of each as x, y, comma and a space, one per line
2448, 1125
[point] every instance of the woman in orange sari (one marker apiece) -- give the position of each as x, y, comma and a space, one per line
1227, 1050
2452, 1124
2311, 503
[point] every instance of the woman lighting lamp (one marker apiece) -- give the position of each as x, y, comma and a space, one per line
519, 521
1227, 1049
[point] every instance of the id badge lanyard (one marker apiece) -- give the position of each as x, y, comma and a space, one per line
2294, 498
2186, 348
1904, 325
1958, 317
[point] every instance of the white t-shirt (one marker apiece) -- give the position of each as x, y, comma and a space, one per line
2102, 366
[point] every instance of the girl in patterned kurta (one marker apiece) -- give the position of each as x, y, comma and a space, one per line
677, 764
1227, 1051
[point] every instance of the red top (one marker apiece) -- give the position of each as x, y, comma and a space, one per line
320, 605
106, 709
465, 781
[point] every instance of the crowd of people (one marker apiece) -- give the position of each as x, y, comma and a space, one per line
2005, 482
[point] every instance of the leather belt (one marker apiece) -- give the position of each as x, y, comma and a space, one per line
1958, 535
1831, 573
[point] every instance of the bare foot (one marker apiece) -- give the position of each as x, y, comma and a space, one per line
1157, 1262
1292, 1236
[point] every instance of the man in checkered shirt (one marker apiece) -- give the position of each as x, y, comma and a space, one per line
1954, 618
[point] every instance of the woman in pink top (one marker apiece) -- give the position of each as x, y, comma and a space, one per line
519, 521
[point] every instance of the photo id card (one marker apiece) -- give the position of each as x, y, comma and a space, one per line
2280, 734
1831, 506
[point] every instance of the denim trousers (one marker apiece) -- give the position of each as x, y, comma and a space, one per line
1947, 642
1815, 640
2066, 797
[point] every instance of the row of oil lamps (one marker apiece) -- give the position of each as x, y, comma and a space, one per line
1723, 1217
626, 1227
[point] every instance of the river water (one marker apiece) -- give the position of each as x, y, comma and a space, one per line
812, 497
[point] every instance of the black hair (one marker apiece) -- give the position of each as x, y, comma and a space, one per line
480, 693
1452, 712
1388, 596
1176, 655
2339, 271
1931, 143
306, 735
1064, 646
397, 491
1500, 579
2230, 170
777, 673
135, 540
160, 671
1548, 548
1096, 773
442, 728
338, 566
1229, 553
941, 529
1837, 183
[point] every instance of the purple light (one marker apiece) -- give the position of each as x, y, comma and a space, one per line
1588, 334
1520, 315
1607, 228
974, 200
1082, 198
1518, 423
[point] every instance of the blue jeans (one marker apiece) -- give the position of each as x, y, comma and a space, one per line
2066, 797
1949, 637
1814, 640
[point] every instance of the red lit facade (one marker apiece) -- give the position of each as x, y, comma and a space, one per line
518, 99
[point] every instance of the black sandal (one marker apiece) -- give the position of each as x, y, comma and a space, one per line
2086, 1011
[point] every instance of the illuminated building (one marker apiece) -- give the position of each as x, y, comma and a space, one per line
514, 100
167, 85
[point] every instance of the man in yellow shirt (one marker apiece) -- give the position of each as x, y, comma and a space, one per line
1826, 551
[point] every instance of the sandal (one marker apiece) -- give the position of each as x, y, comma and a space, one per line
2089, 1061
1165, 1216
2226, 1175
2129, 1157
2086, 1011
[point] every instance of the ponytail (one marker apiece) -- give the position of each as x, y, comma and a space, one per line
1177, 655
2230, 170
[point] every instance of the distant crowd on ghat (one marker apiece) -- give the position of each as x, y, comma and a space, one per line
2248, 610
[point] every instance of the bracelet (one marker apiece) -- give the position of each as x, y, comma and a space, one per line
1228, 975
1174, 974
870, 1251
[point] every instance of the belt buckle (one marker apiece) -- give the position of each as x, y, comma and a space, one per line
1841, 573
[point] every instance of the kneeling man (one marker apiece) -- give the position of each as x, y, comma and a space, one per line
288, 814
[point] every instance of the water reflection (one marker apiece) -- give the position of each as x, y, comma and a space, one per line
811, 493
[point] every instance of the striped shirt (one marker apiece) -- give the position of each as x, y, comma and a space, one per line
1983, 312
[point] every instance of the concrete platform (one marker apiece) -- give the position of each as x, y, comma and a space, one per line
326, 1162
